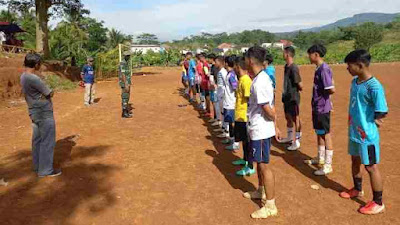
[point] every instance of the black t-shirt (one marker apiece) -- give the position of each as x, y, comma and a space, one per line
214, 72
291, 92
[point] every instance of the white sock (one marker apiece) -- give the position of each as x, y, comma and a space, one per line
329, 157
236, 144
321, 152
270, 202
290, 131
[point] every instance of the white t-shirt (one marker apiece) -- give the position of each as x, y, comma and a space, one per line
262, 92
2, 36
220, 77
229, 94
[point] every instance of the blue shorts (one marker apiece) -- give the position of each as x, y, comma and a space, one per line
191, 81
229, 115
369, 153
213, 96
261, 150
184, 77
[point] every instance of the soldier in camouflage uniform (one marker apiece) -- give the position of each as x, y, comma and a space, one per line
125, 82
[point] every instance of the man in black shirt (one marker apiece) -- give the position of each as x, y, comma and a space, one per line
292, 86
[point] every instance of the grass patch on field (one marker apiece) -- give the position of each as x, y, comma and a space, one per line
57, 83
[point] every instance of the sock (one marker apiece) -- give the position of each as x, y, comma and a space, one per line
329, 157
250, 165
377, 197
270, 203
357, 183
298, 135
290, 133
236, 144
321, 152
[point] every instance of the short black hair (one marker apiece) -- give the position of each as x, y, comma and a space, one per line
230, 60
317, 48
257, 53
31, 60
220, 58
241, 62
212, 56
189, 53
269, 58
359, 56
290, 50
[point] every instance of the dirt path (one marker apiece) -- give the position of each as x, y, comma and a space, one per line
164, 167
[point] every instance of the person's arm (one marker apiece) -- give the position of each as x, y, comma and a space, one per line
40, 86
269, 111
380, 104
83, 72
297, 78
327, 81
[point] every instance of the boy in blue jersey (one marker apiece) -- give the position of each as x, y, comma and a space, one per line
367, 108
191, 76
269, 68
87, 76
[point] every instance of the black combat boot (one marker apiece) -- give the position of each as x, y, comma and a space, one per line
125, 114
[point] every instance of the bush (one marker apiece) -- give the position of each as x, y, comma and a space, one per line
57, 83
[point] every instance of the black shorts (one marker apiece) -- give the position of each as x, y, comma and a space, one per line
291, 108
240, 131
198, 88
206, 93
321, 123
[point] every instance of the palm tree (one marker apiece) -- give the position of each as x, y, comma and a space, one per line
116, 37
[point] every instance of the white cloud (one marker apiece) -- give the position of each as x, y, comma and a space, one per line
174, 21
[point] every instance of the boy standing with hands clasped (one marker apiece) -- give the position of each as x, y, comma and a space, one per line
367, 108
321, 109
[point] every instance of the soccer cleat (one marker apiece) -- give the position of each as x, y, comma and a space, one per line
258, 194
326, 169
265, 212
55, 173
226, 141
232, 147
239, 162
352, 193
295, 146
246, 171
223, 135
314, 161
212, 121
216, 123
372, 208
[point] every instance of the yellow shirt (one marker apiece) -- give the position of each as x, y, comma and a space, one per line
242, 97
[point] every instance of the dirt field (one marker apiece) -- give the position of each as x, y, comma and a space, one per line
165, 167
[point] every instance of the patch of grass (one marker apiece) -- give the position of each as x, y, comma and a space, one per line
57, 83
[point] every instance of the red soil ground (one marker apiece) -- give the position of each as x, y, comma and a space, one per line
165, 167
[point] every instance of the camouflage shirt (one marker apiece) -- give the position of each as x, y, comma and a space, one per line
124, 69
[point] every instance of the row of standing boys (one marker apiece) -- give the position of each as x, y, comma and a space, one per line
237, 93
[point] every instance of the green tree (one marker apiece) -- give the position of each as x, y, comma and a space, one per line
147, 38
43, 9
116, 37
367, 35
97, 34
8, 16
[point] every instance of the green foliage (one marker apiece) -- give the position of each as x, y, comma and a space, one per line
8, 16
367, 35
97, 34
57, 83
147, 38
304, 40
385, 52
116, 37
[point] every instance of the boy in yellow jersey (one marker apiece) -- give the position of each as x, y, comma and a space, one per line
240, 130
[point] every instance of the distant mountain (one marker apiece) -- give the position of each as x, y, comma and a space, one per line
356, 19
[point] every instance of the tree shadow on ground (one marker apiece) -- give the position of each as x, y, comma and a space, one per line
222, 159
296, 160
30, 200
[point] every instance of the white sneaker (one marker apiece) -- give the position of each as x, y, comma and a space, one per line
314, 161
216, 123
326, 169
295, 146
286, 140
257, 194
212, 121
265, 212
219, 130
223, 135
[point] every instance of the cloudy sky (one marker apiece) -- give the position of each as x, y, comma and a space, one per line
175, 19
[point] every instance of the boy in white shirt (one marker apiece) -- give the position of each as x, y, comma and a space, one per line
261, 127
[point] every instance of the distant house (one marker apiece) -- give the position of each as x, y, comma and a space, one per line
225, 47
281, 44
145, 48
